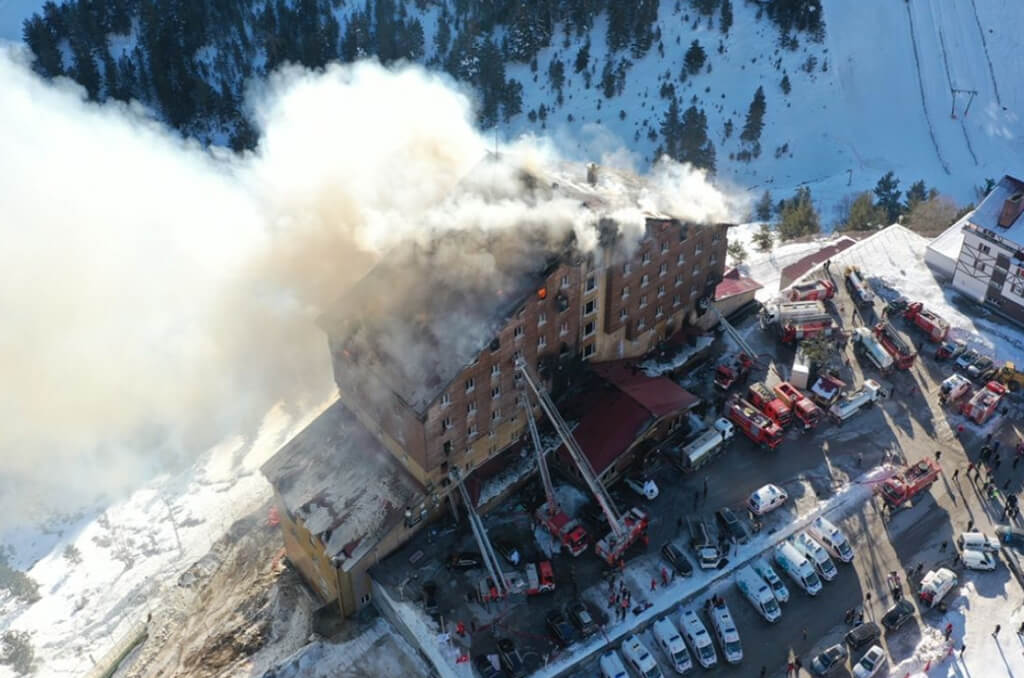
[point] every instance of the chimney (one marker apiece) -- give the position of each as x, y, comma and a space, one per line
1011, 209
592, 174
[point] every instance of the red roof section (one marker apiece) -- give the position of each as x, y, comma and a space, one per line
610, 423
659, 396
799, 267
734, 283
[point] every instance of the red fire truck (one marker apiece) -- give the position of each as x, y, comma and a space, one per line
984, 402
927, 321
805, 410
909, 482
733, 369
755, 425
899, 345
764, 399
816, 290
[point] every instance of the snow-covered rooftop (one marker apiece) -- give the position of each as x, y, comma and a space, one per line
987, 214
342, 483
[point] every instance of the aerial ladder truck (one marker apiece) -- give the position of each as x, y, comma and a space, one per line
497, 585
567, 531
626, 528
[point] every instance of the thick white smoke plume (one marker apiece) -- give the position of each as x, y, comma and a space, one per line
159, 296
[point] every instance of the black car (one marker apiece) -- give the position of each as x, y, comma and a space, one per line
465, 560
731, 525
581, 617
863, 635
677, 559
560, 629
485, 668
511, 660
898, 615
430, 599
1011, 536
509, 550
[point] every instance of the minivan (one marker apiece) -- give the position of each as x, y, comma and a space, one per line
698, 638
767, 498
612, 666
977, 541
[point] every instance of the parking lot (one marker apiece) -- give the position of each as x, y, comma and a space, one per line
811, 467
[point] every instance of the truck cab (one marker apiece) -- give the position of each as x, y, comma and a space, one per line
797, 567
672, 644
816, 554
757, 591
698, 638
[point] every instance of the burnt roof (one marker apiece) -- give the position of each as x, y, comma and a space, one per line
347, 489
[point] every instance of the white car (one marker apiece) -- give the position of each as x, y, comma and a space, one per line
767, 498
647, 489
870, 663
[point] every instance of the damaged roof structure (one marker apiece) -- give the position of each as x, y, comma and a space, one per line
342, 484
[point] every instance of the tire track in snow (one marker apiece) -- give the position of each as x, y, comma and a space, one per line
949, 79
984, 47
920, 84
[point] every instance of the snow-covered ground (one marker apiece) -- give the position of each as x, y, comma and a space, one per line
132, 550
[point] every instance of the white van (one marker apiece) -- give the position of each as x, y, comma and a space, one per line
612, 666
976, 559
977, 541
798, 568
766, 498
725, 629
832, 538
698, 638
758, 593
671, 643
935, 585
639, 657
817, 554
765, 571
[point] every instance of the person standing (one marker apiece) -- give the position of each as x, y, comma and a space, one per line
996, 632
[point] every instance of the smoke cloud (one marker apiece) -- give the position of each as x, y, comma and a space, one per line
160, 296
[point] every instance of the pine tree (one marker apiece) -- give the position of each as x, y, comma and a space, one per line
443, 36
725, 17
736, 250
763, 239
695, 58
755, 118
42, 40
556, 73
798, 216
608, 79
763, 207
583, 57
887, 196
671, 130
694, 145
84, 69
619, 21
864, 215
785, 85
917, 193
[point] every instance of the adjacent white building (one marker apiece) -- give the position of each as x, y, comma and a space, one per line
990, 266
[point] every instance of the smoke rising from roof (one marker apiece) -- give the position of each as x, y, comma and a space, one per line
160, 296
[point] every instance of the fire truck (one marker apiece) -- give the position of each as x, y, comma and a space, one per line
984, 402
566, 530
816, 290
805, 410
799, 320
626, 529
911, 481
735, 368
764, 399
754, 424
899, 345
858, 287
927, 321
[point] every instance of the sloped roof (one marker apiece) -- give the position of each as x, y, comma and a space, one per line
733, 283
659, 396
798, 268
610, 422
347, 489
987, 213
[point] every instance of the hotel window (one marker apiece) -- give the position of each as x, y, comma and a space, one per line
542, 318
447, 447
496, 414
626, 269
623, 314
446, 400
495, 392
471, 407
645, 280
663, 269
518, 332
693, 293
590, 307
542, 341
696, 270
675, 299
588, 350
679, 279
565, 281
647, 257
661, 290
700, 248
588, 329
716, 238
680, 259
664, 246
643, 300
591, 283
495, 370
641, 324
658, 313
625, 291
470, 384
564, 329
446, 423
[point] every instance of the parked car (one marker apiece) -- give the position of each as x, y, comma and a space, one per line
509, 550
950, 349
677, 559
766, 498
898, 615
1010, 536
974, 559
979, 367
511, 660
731, 525
430, 599
966, 359
863, 635
465, 560
829, 661
870, 663
560, 629
581, 617
485, 666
